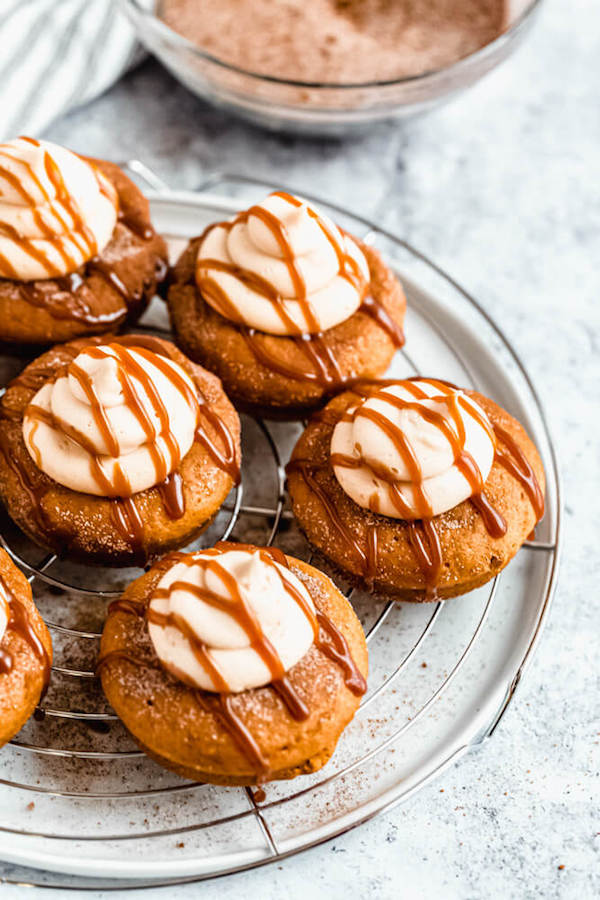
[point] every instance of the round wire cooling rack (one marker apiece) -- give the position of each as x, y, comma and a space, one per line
82, 807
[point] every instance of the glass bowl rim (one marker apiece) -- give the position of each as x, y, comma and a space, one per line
136, 8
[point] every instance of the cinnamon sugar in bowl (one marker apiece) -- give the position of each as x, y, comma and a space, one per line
328, 66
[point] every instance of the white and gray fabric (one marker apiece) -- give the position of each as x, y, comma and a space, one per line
57, 55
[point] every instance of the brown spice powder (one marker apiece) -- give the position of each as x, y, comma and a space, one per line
338, 41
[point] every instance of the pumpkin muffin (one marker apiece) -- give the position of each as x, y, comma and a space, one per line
417, 488
78, 253
25, 651
284, 307
235, 665
116, 450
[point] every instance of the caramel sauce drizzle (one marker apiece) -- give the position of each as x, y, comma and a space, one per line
69, 303
422, 533
514, 461
321, 367
19, 621
327, 637
224, 457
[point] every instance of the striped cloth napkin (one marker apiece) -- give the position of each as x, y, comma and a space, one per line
57, 55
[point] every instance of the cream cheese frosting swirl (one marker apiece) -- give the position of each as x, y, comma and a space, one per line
57, 211
116, 421
230, 620
281, 267
413, 449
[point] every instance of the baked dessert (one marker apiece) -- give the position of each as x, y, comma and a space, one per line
78, 254
419, 488
284, 307
25, 651
235, 665
115, 450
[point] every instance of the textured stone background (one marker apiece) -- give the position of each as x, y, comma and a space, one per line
502, 189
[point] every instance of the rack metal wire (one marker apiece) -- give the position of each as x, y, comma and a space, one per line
239, 516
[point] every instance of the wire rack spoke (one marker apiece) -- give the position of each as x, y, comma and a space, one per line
77, 754
395, 674
264, 827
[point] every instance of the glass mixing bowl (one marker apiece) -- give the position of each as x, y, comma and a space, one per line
312, 107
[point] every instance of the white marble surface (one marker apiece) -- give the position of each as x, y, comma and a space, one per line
501, 188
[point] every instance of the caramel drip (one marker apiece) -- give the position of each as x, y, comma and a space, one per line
349, 541
494, 522
426, 545
129, 523
104, 427
424, 540
129, 657
290, 696
372, 552
172, 495
19, 621
135, 223
512, 458
376, 311
244, 738
253, 281
34, 492
126, 605
334, 645
69, 303
322, 367
82, 234
226, 458
99, 266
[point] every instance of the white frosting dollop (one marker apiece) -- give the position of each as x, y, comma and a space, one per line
4, 612
57, 211
410, 468
86, 431
260, 285
237, 579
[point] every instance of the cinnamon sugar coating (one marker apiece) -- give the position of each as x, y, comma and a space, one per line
168, 723
470, 555
337, 41
361, 347
20, 689
106, 293
83, 525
